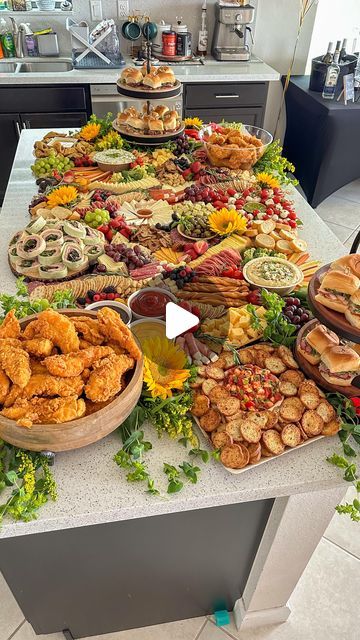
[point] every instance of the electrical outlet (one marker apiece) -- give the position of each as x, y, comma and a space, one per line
96, 10
123, 8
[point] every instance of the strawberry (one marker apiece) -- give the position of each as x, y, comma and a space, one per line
201, 246
195, 167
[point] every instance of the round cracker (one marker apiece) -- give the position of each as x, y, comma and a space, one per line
229, 406
275, 365
210, 421
218, 393
272, 441
235, 456
290, 375
331, 428
234, 431
215, 372
246, 356
255, 452
250, 431
265, 453
259, 418
196, 384
291, 410
287, 388
201, 405
326, 411
225, 360
272, 418
291, 435
310, 399
312, 423
220, 439
287, 357
207, 385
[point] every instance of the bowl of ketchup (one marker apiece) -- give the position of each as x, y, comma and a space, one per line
150, 303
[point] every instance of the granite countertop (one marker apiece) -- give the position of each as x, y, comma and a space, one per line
92, 489
211, 71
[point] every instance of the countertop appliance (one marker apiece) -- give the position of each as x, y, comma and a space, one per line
233, 37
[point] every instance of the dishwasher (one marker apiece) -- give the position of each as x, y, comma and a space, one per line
105, 98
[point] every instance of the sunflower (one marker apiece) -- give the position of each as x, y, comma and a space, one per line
61, 196
164, 364
266, 180
90, 131
193, 123
225, 222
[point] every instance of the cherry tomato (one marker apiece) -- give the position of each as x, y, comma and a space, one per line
231, 192
246, 193
264, 194
292, 224
292, 215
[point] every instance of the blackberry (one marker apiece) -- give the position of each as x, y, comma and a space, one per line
81, 302
91, 293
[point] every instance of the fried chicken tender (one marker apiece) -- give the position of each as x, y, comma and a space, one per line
113, 328
88, 329
10, 328
56, 327
105, 381
4, 386
45, 410
40, 347
41, 384
15, 362
73, 364
36, 366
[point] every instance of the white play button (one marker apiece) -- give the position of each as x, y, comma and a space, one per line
178, 320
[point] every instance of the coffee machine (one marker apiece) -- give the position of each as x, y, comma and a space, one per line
233, 37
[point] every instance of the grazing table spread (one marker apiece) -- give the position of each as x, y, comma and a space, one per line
146, 227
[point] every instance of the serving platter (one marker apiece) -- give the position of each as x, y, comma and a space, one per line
312, 371
147, 139
145, 93
332, 319
83, 431
73, 276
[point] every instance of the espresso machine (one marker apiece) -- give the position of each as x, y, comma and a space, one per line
233, 37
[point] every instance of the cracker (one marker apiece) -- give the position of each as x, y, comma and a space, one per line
200, 406
273, 442
263, 346
246, 356
229, 406
287, 388
291, 435
310, 399
308, 386
275, 365
233, 430
196, 384
259, 418
212, 371
291, 410
250, 431
326, 411
331, 428
225, 360
217, 393
290, 375
312, 423
265, 453
260, 358
254, 452
210, 421
201, 371
220, 439
235, 456
272, 418
208, 385
287, 357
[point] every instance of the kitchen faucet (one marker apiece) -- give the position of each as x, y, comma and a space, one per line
17, 32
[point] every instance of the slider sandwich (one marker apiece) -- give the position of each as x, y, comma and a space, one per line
348, 264
352, 313
339, 365
336, 289
313, 345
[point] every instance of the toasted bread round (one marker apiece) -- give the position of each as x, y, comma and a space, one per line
308, 386
291, 435
287, 389
265, 453
228, 406
250, 431
312, 423
273, 442
217, 393
326, 411
210, 421
215, 372
275, 365
310, 399
196, 384
263, 346
272, 418
201, 405
304, 435
246, 356
208, 385
255, 452
220, 439
259, 418
234, 456
290, 375
331, 428
233, 429
287, 357
201, 371
225, 360
291, 410
260, 358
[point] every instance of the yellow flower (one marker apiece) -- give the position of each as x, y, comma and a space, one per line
193, 122
164, 364
225, 222
267, 180
61, 195
90, 131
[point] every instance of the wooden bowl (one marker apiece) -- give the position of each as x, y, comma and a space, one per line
181, 231
312, 371
83, 431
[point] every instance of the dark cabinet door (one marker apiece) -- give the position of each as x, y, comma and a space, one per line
53, 120
10, 128
246, 115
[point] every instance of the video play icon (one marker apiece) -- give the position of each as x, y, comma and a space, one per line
178, 320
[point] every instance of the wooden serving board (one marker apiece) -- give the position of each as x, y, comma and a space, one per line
83, 431
45, 281
312, 371
146, 93
332, 319
145, 138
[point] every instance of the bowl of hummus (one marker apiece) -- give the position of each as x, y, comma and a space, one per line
275, 274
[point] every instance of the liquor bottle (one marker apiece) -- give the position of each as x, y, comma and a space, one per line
343, 54
332, 77
329, 55
203, 33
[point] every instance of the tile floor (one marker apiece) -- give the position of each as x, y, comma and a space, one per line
325, 602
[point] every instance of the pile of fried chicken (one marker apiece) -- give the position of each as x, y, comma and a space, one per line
61, 368
234, 149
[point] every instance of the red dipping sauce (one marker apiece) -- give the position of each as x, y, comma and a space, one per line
151, 304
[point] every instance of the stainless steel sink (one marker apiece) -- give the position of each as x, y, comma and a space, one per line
9, 67
46, 66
